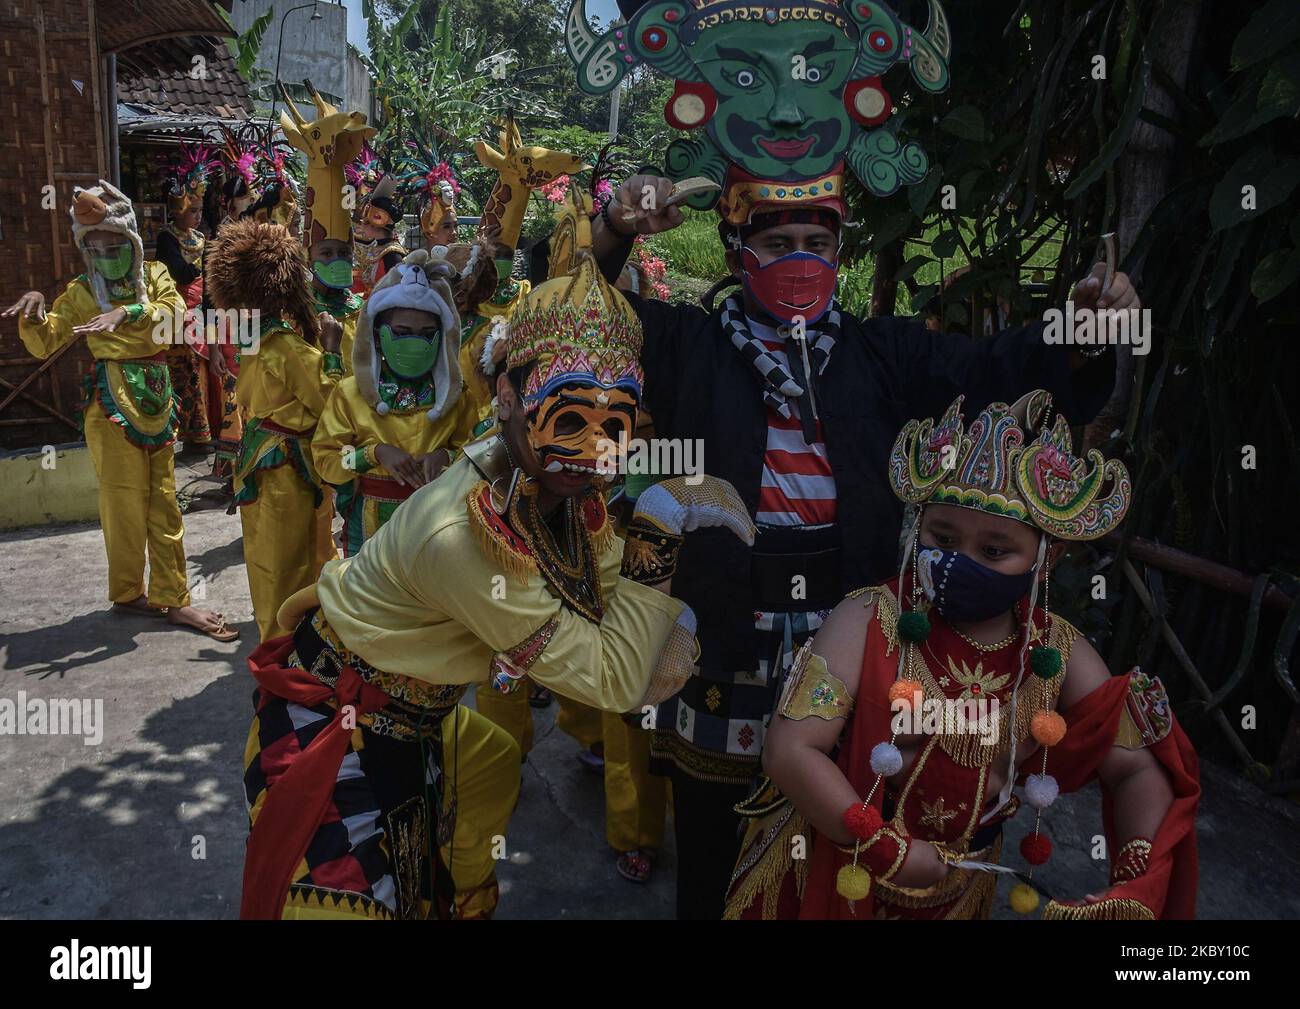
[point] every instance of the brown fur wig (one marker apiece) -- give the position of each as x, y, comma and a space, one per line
479, 280
258, 265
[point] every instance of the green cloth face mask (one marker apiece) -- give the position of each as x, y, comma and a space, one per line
337, 274
411, 356
505, 267
116, 266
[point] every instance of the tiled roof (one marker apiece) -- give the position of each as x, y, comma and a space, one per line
123, 24
154, 78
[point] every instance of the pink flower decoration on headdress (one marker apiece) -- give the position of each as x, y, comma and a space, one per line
441, 172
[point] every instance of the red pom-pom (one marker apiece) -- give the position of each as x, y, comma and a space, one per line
862, 821
1036, 848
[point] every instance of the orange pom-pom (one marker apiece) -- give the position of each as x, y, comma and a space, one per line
909, 692
1048, 728
862, 821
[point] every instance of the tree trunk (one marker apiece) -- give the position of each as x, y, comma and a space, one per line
884, 288
1143, 172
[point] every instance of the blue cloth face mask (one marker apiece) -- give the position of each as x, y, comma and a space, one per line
965, 590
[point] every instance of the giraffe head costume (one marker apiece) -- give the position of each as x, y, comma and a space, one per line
519, 170
331, 142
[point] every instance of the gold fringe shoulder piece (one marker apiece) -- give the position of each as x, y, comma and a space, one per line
502, 546
886, 613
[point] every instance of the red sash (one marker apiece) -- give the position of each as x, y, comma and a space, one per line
296, 804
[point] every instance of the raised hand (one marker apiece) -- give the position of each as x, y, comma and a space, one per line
31, 305
680, 507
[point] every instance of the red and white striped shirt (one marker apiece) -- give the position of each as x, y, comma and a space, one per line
798, 487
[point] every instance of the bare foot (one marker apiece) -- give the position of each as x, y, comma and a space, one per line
203, 621
140, 605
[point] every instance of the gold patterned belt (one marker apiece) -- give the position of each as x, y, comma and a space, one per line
414, 708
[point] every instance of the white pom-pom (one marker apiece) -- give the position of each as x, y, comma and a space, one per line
1041, 790
381, 408
886, 760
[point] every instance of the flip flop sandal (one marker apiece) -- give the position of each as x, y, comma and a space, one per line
634, 866
540, 697
220, 633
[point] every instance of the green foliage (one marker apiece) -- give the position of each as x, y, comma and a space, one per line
245, 48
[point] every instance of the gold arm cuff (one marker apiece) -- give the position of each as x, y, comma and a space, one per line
812, 689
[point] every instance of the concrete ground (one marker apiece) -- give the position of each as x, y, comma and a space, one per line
113, 830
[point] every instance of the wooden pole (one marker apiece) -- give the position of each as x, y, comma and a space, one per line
95, 69
1184, 660
49, 152
1211, 573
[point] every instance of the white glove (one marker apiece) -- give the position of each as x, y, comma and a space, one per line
680, 507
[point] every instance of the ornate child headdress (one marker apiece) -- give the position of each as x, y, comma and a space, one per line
785, 91
991, 467
332, 140
186, 177
374, 186
422, 173
575, 325
106, 208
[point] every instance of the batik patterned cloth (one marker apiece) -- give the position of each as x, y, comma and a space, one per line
725, 747
189, 385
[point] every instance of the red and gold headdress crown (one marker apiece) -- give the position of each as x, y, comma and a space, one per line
992, 466
575, 325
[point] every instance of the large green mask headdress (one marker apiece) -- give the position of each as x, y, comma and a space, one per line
783, 93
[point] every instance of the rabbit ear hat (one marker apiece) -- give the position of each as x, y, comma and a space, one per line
105, 208
419, 281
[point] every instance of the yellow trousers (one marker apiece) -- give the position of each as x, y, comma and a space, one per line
514, 714
282, 548
482, 763
636, 801
510, 711
138, 513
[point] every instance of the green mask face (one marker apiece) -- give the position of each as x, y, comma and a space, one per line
115, 266
770, 122
505, 267
337, 274
409, 356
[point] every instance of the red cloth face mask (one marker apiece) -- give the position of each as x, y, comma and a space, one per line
797, 285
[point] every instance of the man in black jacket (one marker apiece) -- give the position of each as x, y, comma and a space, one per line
800, 420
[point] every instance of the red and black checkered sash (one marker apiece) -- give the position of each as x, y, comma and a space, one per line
296, 805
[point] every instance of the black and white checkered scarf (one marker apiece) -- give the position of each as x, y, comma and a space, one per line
780, 384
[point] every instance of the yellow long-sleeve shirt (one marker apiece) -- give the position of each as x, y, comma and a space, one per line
285, 381
76, 306
351, 429
423, 599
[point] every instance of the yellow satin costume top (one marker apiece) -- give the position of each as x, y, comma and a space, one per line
131, 340
349, 422
423, 599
